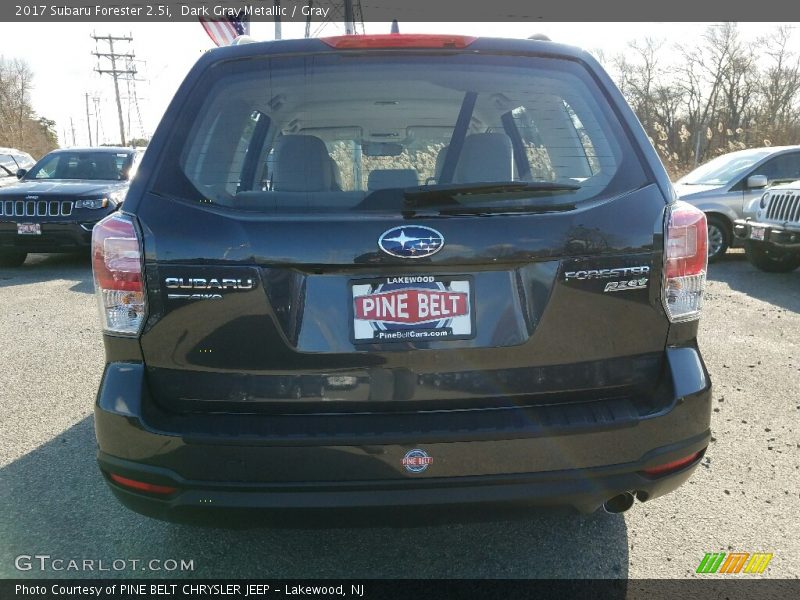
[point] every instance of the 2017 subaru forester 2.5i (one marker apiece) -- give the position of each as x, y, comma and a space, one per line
399, 270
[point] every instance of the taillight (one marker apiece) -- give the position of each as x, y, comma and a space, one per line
672, 466
142, 486
118, 282
399, 40
685, 262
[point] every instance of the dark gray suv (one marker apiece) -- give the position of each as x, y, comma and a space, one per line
399, 271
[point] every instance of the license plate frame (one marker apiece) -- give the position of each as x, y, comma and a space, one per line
454, 293
758, 233
29, 229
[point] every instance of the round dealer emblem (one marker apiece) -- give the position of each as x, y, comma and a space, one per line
411, 241
416, 460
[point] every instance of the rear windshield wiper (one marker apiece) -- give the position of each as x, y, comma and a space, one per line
469, 194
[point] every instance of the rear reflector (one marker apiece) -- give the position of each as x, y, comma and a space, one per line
399, 40
670, 467
685, 262
141, 486
117, 268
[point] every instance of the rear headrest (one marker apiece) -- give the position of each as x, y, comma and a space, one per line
485, 157
302, 164
392, 178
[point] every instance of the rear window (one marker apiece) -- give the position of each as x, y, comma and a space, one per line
342, 132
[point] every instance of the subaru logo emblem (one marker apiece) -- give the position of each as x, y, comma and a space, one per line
411, 241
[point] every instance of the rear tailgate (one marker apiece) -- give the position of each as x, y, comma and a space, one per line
261, 314
282, 171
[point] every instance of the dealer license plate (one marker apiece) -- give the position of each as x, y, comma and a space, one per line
413, 308
29, 228
757, 233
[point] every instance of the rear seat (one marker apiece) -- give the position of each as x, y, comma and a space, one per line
302, 164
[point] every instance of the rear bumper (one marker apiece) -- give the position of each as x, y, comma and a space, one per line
585, 490
575, 455
784, 236
56, 237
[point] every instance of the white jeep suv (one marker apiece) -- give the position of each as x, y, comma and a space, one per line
772, 237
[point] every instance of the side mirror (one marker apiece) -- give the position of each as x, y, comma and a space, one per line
21, 173
757, 181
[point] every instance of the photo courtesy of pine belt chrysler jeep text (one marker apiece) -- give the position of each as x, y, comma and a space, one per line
399, 271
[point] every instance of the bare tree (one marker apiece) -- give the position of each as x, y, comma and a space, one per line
779, 89
700, 77
723, 93
639, 73
19, 126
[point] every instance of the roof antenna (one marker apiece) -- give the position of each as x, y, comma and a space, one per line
395, 26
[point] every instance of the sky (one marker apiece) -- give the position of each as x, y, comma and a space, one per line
60, 56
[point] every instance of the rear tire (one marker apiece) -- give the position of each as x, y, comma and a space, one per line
12, 259
719, 237
770, 259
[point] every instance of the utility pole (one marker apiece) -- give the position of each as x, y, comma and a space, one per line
345, 12
349, 18
116, 73
88, 122
96, 101
72, 127
277, 19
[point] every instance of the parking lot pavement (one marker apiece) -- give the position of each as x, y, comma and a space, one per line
745, 497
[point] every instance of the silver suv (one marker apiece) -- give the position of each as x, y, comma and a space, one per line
723, 188
11, 161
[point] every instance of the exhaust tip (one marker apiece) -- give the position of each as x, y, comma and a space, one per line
619, 503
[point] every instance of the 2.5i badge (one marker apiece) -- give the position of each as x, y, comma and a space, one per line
621, 286
412, 308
